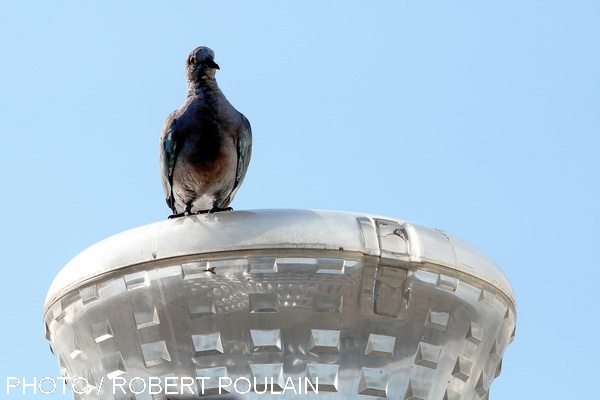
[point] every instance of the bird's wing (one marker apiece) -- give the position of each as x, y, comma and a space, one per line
168, 155
244, 151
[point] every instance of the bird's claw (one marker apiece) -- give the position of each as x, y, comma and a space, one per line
218, 209
178, 215
211, 211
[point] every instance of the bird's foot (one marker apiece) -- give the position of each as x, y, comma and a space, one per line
183, 214
212, 210
218, 209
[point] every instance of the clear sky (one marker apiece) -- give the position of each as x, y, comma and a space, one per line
478, 118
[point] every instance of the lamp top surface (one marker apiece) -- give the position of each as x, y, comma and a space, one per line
273, 229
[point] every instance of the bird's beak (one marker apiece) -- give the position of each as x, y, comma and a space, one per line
212, 64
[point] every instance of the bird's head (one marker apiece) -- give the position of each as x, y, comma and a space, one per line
200, 64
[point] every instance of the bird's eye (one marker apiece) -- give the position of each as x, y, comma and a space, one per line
192, 60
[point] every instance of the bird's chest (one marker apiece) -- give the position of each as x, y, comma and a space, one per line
203, 148
206, 151
205, 141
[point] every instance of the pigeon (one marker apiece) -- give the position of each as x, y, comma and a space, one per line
205, 145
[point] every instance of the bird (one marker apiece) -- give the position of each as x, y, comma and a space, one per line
206, 144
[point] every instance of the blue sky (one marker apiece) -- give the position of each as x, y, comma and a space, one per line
479, 118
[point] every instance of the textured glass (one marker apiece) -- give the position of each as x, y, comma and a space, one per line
355, 324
